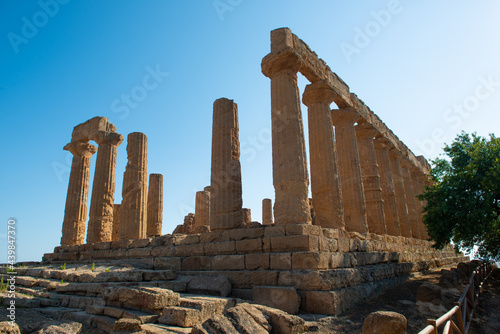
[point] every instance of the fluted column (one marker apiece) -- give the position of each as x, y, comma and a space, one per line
399, 190
417, 189
247, 216
103, 189
410, 198
290, 176
133, 212
325, 184
75, 213
423, 179
371, 179
202, 208
226, 193
155, 205
267, 211
387, 184
350, 170
116, 223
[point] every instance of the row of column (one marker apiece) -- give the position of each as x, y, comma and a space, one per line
359, 181
140, 212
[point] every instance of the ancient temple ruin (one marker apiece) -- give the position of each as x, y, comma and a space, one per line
361, 232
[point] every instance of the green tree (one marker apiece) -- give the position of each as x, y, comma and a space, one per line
463, 204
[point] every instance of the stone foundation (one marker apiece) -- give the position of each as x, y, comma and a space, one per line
322, 264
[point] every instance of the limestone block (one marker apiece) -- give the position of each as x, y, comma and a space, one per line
283, 298
385, 322
303, 229
310, 260
280, 261
189, 250
295, 243
163, 251
244, 322
197, 263
281, 321
257, 261
220, 248
167, 263
228, 262
246, 233
249, 246
214, 286
274, 231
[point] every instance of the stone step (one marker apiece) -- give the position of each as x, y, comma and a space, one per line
164, 329
194, 310
119, 313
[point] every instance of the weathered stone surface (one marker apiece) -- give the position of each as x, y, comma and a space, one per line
283, 298
7, 328
127, 325
115, 236
280, 261
429, 293
75, 213
144, 298
375, 217
350, 170
134, 190
282, 322
226, 194
155, 205
267, 212
214, 286
202, 208
399, 189
243, 322
383, 322
325, 183
100, 226
290, 178
257, 261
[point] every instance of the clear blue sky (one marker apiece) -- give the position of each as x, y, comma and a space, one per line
63, 65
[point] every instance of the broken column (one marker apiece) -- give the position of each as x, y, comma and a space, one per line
155, 205
350, 170
381, 145
75, 213
325, 184
290, 178
371, 179
410, 198
399, 190
247, 217
226, 193
202, 208
133, 210
103, 190
267, 211
116, 223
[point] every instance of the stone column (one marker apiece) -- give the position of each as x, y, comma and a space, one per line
325, 184
116, 223
75, 213
226, 195
103, 190
423, 178
134, 190
399, 190
290, 178
247, 217
410, 198
155, 205
202, 208
381, 145
371, 179
267, 211
417, 190
350, 170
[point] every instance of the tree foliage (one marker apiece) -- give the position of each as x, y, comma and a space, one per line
463, 204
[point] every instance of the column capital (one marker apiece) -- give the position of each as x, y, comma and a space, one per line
382, 143
82, 149
366, 130
318, 92
344, 116
395, 154
107, 137
288, 59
